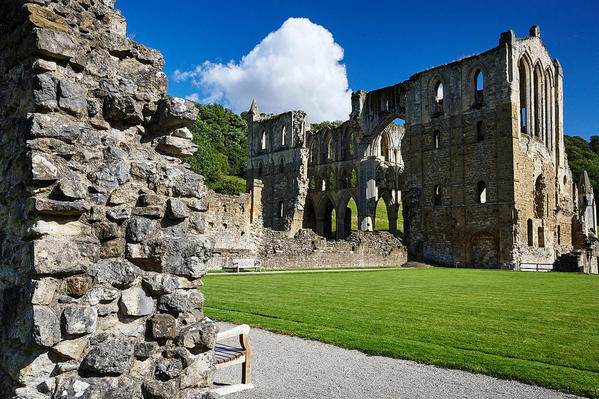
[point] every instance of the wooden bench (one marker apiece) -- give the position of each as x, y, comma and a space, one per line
244, 264
228, 355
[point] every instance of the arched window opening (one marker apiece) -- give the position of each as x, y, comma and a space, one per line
585, 201
330, 149
353, 179
539, 197
351, 145
541, 237
523, 96
537, 103
481, 192
331, 181
480, 131
559, 235
281, 209
436, 138
438, 97
387, 105
312, 183
529, 232
384, 146
283, 141
260, 169
263, 140
478, 87
437, 195
281, 166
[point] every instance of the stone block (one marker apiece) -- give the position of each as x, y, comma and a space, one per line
54, 207
71, 189
181, 301
46, 327
54, 44
176, 147
135, 302
79, 320
119, 273
176, 209
72, 97
140, 229
198, 336
118, 214
102, 294
43, 170
167, 369
174, 113
160, 389
72, 348
163, 326
61, 257
110, 358
161, 283
78, 286
144, 350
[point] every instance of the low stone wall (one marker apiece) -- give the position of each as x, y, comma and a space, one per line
306, 249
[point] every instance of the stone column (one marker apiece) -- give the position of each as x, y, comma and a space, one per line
101, 237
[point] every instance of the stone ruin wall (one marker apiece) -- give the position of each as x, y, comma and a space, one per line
102, 236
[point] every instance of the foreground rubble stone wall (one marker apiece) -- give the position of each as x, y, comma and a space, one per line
102, 243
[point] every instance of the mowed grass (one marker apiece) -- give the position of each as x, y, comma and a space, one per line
540, 328
381, 219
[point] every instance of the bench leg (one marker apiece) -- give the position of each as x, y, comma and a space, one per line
245, 372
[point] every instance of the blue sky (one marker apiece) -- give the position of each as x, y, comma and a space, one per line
384, 42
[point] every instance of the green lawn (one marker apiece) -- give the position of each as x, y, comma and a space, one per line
381, 220
540, 328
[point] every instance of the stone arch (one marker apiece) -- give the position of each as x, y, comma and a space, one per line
345, 214
331, 180
384, 146
524, 75
549, 108
483, 249
478, 71
260, 169
437, 93
537, 102
309, 221
324, 215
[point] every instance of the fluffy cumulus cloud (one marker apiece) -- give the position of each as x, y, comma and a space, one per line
295, 67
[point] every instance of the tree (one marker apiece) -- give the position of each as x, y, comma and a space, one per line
594, 144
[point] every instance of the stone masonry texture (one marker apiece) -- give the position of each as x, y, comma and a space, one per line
101, 240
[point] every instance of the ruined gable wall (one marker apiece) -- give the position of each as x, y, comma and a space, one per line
540, 161
458, 229
102, 245
284, 166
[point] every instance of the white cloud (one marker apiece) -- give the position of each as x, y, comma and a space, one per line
193, 97
296, 67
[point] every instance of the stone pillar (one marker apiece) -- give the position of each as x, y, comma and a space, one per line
102, 245
368, 194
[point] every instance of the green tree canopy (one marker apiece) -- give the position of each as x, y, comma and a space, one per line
582, 157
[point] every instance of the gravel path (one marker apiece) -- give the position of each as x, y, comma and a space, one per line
285, 367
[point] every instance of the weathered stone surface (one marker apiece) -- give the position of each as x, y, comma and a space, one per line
111, 174
54, 44
111, 357
72, 349
160, 389
36, 369
183, 133
119, 273
108, 308
59, 257
153, 212
135, 302
198, 393
54, 207
72, 97
161, 283
100, 294
78, 286
43, 169
167, 369
176, 146
140, 229
46, 327
181, 301
174, 113
43, 18
71, 189
176, 209
163, 326
123, 108
44, 291
200, 373
144, 350
79, 320
45, 89
200, 335
54, 126
118, 214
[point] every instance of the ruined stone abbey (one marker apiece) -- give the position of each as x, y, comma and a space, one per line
105, 233
478, 168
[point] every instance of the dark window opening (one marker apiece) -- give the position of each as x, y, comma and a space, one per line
281, 166
523, 96
539, 197
529, 232
559, 235
330, 149
481, 192
437, 195
331, 181
260, 169
436, 138
541, 237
